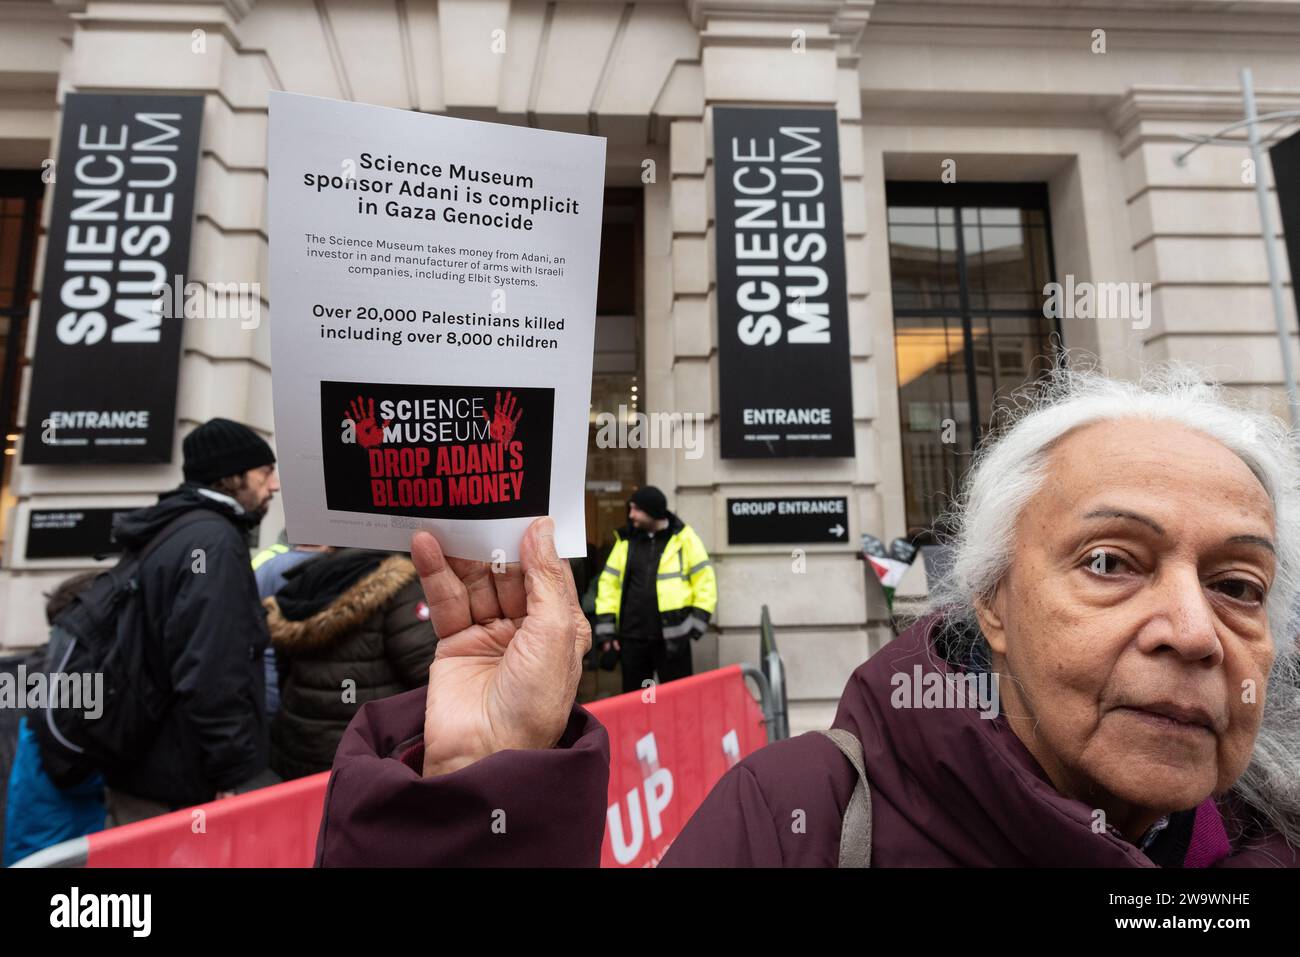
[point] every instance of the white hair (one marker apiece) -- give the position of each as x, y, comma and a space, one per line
1009, 469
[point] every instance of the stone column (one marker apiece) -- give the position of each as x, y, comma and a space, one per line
778, 54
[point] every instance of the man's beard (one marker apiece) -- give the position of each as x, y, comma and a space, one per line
256, 514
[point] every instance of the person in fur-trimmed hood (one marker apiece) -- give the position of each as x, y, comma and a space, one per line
348, 627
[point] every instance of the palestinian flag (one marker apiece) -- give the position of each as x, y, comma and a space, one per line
890, 572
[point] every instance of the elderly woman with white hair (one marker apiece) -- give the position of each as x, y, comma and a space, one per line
1124, 576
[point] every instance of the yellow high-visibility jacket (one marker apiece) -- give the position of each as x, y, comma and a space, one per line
686, 587
266, 554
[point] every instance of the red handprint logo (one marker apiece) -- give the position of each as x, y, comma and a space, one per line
502, 424
369, 433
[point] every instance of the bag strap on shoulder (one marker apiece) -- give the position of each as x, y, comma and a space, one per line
78, 616
855, 832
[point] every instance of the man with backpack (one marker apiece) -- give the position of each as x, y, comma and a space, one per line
179, 632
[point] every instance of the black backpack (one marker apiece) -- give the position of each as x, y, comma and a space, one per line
104, 632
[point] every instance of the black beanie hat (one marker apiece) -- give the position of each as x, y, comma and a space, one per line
219, 448
651, 501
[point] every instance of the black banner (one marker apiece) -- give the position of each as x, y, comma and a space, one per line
435, 451
105, 370
72, 532
1107, 906
783, 332
1286, 176
782, 521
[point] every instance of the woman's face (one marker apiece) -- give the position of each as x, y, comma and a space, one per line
1130, 631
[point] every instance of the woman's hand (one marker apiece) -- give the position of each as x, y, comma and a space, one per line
510, 649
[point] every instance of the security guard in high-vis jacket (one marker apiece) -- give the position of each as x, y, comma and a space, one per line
656, 593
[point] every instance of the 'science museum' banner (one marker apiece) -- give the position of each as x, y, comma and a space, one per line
1286, 176
105, 369
783, 348
433, 295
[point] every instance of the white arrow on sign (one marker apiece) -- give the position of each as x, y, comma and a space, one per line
836, 530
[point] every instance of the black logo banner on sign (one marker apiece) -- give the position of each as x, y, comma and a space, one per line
105, 369
1285, 157
783, 349
437, 451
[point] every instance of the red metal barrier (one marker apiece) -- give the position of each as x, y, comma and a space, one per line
667, 750
668, 746
270, 827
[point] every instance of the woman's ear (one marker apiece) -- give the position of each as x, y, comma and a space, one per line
988, 611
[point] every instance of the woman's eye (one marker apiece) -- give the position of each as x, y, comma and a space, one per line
1239, 589
1102, 562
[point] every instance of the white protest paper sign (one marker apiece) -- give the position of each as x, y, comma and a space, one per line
433, 299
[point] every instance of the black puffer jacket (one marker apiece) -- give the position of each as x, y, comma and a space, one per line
349, 627
201, 606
